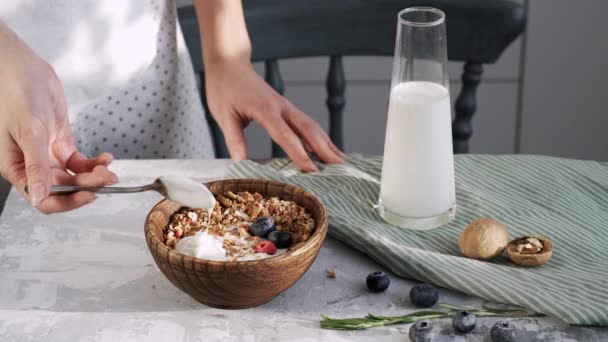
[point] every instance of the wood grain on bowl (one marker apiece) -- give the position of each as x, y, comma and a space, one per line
237, 284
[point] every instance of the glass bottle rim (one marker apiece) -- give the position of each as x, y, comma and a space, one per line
438, 12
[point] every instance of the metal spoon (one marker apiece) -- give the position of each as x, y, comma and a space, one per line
70, 189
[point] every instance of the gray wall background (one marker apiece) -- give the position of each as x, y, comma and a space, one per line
544, 96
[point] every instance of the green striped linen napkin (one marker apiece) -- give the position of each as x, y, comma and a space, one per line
565, 200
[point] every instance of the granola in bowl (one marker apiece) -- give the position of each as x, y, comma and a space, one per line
230, 223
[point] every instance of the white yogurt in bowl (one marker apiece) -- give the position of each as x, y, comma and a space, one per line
202, 245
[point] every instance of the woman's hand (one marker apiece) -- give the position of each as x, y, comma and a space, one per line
236, 95
36, 143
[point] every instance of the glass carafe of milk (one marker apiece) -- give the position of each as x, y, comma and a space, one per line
417, 189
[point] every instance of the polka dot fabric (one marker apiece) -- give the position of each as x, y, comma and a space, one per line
157, 114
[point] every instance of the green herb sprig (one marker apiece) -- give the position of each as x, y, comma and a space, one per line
371, 321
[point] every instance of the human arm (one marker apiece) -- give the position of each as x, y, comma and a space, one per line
237, 95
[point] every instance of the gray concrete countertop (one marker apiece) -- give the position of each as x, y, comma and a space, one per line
87, 275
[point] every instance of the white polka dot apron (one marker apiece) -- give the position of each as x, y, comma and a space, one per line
126, 73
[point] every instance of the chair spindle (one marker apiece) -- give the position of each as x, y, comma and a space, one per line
465, 107
336, 86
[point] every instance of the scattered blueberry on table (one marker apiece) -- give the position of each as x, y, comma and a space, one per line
424, 295
464, 321
263, 226
503, 332
422, 331
281, 239
377, 282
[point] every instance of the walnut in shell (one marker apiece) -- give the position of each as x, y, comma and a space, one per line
530, 251
483, 239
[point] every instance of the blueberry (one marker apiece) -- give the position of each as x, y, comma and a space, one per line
262, 227
464, 321
503, 332
280, 238
377, 281
424, 295
422, 331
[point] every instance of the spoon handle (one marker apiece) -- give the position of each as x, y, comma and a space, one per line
68, 189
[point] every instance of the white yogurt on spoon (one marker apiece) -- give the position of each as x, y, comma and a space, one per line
188, 192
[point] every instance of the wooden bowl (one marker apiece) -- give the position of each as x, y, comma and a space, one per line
237, 284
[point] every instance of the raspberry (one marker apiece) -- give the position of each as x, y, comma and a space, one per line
266, 247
